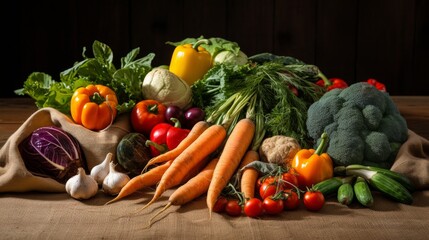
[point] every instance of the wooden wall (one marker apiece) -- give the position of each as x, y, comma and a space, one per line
352, 39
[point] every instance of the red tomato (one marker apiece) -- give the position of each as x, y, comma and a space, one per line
291, 200
314, 200
289, 180
263, 179
272, 206
253, 207
268, 189
220, 205
146, 114
233, 208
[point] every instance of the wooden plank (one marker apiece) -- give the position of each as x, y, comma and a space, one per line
385, 42
204, 18
295, 29
336, 38
104, 20
153, 24
45, 38
251, 24
13, 112
416, 112
418, 85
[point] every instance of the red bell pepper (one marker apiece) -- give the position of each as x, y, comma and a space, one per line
332, 83
165, 137
380, 86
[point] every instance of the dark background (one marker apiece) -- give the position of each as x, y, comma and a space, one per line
352, 39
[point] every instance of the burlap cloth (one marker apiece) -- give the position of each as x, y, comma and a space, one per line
34, 215
14, 177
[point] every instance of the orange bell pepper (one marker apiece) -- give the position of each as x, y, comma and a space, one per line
94, 106
312, 165
190, 62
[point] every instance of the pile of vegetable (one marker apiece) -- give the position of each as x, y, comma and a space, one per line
257, 135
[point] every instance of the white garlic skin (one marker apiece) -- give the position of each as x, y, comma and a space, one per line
100, 171
114, 181
81, 186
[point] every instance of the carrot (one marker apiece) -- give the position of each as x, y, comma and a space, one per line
234, 149
249, 176
202, 147
190, 190
146, 179
195, 132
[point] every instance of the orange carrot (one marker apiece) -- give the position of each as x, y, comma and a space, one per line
249, 176
234, 149
146, 179
195, 132
192, 189
198, 151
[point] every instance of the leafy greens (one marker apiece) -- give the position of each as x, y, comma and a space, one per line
261, 90
99, 69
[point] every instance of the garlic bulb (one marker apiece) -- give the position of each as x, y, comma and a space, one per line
114, 181
100, 171
81, 186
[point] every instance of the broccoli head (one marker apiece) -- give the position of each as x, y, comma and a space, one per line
363, 124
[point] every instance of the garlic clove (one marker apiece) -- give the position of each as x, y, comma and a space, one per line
100, 171
81, 186
114, 181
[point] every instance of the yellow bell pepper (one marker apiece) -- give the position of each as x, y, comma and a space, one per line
94, 106
190, 62
313, 166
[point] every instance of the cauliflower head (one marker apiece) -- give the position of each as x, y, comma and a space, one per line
363, 124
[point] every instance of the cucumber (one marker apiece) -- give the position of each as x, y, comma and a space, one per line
385, 184
328, 186
363, 192
345, 193
391, 188
402, 179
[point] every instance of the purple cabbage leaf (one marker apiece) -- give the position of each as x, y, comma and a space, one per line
52, 152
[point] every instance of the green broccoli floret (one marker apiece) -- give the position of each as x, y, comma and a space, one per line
323, 113
363, 124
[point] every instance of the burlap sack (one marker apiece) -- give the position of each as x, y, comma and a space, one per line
14, 177
413, 160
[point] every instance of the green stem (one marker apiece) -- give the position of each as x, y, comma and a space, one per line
97, 98
153, 108
176, 122
199, 42
324, 78
159, 147
323, 144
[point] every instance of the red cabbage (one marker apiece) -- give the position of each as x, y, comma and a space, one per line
52, 152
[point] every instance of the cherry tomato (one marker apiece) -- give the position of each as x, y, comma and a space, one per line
289, 180
291, 200
220, 204
253, 207
263, 179
233, 208
314, 200
272, 206
268, 189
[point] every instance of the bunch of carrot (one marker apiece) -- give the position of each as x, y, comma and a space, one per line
195, 165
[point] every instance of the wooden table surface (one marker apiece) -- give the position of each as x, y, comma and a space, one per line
14, 111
